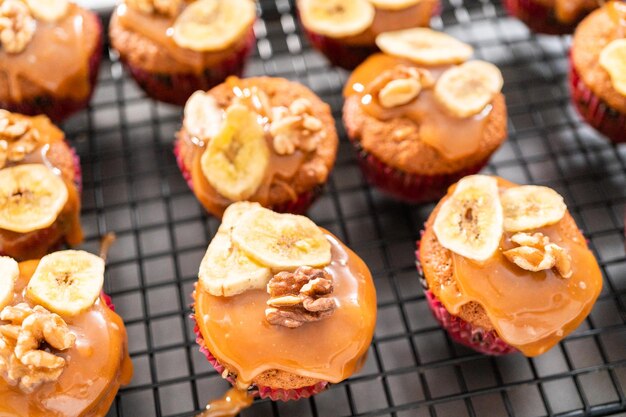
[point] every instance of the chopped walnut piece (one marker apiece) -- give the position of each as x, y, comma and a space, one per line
17, 26
18, 138
536, 253
295, 127
299, 297
400, 85
26, 345
164, 7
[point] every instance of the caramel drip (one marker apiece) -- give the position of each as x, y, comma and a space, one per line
67, 225
568, 11
159, 29
231, 404
96, 366
237, 334
453, 137
56, 59
531, 311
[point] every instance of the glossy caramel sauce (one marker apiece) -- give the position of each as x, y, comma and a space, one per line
237, 334
231, 404
159, 29
281, 169
453, 137
531, 311
568, 11
67, 225
96, 366
56, 59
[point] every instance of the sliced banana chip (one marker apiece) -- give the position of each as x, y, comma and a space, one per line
203, 117
613, 60
31, 197
235, 160
530, 207
213, 25
9, 273
469, 222
467, 89
424, 46
235, 211
336, 18
67, 282
394, 4
281, 241
226, 271
48, 10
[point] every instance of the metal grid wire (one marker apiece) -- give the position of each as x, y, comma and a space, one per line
133, 187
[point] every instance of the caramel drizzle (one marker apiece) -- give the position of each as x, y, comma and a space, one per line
55, 59
231, 404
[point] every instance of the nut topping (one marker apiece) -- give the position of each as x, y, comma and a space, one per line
400, 85
17, 26
536, 253
299, 297
26, 342
164, 7
17, 138
295, 128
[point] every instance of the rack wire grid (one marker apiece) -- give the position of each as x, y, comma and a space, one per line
132, 186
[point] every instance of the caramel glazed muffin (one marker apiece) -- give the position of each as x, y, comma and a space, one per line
40, 183
173, 48
422, 116
598, 70
267, 140
50, 54
63, 350
506, 268
282, 307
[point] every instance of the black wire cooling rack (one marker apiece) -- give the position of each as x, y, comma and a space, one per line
133, 187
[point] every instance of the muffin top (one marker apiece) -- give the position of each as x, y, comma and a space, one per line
422, 107
58, 338
259, 139
176, 36
510, 258
282, 303
599, 53
45, 47
358, 22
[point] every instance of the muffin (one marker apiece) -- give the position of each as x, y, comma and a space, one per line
421, 116
267, 140
297, 307
505, 267
552, 17
40, 183
173, 48
345, 30
598, 70
63, 351
50, 54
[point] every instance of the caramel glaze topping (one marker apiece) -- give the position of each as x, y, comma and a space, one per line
281, 169
236, 333
56, 59
453, 137
158, 29
568, 11
97, 365
231, 404
67, 225
531, 311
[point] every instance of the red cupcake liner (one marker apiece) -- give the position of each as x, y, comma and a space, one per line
107, 300
339, 54
275, 394
598, 113
459, 330
298, 206
538, 17
411, 188
59, 109
177, 88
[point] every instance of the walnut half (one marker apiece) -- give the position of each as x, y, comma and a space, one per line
296, 127
536, 253
18, 138
299, 297
17, 26
27, 343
